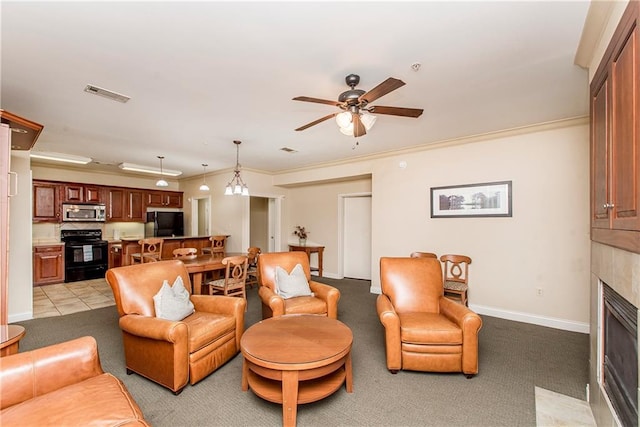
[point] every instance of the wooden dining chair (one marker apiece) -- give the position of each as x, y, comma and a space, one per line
217, 247
423, 255
235, 277
185, 253
252, 270
456, 276
150, 251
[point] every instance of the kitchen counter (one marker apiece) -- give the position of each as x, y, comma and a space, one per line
130, 245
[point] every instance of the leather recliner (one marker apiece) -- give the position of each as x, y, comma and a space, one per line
325, 299
424, 331
172, 353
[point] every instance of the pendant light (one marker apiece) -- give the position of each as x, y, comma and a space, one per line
161, 182
237, 186
204, 186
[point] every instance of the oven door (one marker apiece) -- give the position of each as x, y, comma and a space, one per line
85, 260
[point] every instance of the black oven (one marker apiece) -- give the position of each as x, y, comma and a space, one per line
86, 255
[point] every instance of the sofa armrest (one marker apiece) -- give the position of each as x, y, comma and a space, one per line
391, 322
274, 301
154, 328
470, 323
33, 373
328, 294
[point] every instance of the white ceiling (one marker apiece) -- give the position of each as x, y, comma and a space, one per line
203, 74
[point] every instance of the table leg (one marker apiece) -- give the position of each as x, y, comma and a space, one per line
245, 375
348, 373
197, 283
289, 398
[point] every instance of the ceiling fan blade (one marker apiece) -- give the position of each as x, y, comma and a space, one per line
396, 111
358, 127
317, 100
382, 89
315, 122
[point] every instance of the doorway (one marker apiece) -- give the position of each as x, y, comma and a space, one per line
355, 233
264, 223
201, 216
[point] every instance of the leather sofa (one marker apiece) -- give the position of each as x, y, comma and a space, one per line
323, 302
173, 352
63, 385
424, 330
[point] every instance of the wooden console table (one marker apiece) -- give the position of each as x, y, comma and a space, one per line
309, 250
10, 336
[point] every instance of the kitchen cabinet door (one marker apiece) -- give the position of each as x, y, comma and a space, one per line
116, 205
46, 202
136, 208
48, 264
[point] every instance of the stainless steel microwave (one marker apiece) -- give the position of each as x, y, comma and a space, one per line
83, 213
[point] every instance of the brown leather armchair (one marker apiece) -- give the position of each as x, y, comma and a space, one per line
424, 331
173, 352
324, 301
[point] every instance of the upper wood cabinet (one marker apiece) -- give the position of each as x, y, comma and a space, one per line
46, 202
615, 138
125, 205
81, 193
25, 132
164, 199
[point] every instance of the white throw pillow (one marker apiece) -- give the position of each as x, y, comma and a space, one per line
172, 302
294, 284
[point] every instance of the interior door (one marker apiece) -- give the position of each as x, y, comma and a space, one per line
357, 237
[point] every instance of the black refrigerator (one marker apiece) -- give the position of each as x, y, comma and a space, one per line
164, 224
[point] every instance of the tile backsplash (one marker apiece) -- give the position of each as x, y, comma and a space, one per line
50, 232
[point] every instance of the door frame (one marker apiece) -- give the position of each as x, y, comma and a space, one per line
341, 202
195, 214
275, 219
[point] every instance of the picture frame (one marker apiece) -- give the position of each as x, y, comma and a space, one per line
488, 199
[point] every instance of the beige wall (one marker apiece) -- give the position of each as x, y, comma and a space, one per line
544, 245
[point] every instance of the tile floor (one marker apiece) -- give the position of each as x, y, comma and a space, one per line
552, 409
67, 298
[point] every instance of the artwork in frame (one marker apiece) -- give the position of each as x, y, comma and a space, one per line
472, 200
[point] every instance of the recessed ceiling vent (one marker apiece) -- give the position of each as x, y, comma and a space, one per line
106, 93
288, 150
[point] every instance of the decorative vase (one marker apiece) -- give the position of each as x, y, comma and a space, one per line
303, 242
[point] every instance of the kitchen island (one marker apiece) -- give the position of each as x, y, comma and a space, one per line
131, 245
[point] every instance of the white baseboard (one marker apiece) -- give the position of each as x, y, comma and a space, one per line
534, 319
21, 316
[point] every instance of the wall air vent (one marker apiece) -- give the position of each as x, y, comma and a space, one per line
106, 93
288, 150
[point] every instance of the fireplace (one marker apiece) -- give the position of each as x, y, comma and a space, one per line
620, 361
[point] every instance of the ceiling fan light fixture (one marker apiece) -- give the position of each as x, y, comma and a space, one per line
347, 130
367, 119
344, 119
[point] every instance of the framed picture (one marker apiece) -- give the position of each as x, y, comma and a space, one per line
486, 199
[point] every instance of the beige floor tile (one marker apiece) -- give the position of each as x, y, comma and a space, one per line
38, 314
67, 298
72, 307
95, 305
554, 410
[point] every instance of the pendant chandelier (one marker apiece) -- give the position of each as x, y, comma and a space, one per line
237, 186
204, 186
161, 182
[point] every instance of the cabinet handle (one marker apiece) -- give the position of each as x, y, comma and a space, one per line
15, 187
608, 206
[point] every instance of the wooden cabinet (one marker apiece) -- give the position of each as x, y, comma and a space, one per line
48, 264
125, 205
46, 202
79, 193
615, 138
115, 255
164, 199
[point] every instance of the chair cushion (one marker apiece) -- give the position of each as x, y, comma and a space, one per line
217, 283
205, 328
305, 305
428, 328
294, 284
455, 286
172, 302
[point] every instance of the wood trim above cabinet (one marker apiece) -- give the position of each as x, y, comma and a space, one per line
25, 132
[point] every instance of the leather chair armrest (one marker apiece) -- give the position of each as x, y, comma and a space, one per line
33, 373
232, 306
272, 300
155, 328
391, 322
470, 323
329, 295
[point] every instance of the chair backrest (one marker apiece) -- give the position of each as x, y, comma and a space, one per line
423, 255
268, 262
188, 253
412, 284
455, 268
151, 246
235, 275
134, 286
252, 254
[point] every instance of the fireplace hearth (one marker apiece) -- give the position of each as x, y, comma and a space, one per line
620, 362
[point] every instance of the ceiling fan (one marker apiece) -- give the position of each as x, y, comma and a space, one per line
355, 119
